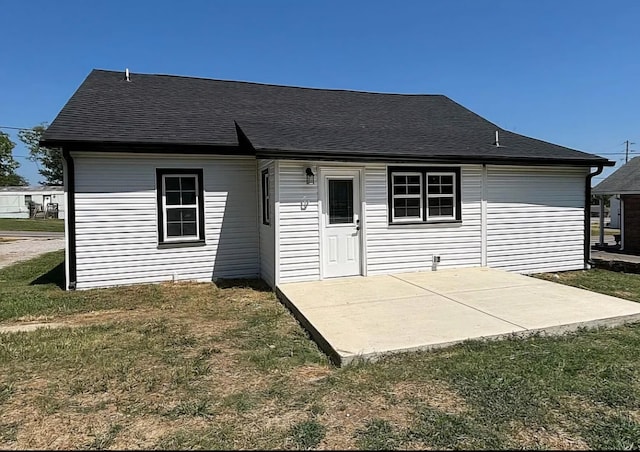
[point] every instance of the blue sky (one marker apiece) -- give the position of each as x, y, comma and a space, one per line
565, 71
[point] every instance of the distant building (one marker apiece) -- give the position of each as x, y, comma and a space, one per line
615, 212
32, 202
623, 186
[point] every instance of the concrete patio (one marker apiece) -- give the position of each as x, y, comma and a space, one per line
366, 317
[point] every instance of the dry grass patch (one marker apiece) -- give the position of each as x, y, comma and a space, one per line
311, 374
226, 366
159, 373
528, 437
345, 416
623, 294
435, 394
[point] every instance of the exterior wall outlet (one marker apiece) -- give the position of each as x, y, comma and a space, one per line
436, 259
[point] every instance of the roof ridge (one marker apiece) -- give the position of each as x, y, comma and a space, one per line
273, 84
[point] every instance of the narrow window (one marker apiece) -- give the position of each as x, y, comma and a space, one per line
340, 201
266, 198
180, 205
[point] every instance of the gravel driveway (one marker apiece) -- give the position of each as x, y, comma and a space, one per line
17, 249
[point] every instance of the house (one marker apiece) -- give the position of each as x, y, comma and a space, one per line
182, 178
29, 202
623, 185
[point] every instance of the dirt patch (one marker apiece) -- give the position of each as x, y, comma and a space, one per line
20, 249
311, 374
199, 327
344, 417
143, 433
31, 323
80, 427
624, 294
29, 326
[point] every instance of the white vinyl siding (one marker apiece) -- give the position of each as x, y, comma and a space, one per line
535, 218
267, 231
299, 247
534, 222
405, 248
116, 221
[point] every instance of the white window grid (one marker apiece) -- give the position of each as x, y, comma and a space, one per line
166, 207
394, 196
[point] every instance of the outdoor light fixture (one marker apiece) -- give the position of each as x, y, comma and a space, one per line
310, 176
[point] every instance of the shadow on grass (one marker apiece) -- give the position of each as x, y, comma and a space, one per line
53, 276
255, 284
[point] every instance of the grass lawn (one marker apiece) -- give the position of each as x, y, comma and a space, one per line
183, 366
15, 224
617, 284
595, 230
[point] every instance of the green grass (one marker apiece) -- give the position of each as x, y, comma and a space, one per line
184, 366
378, 434
595, 230
617, 284
307, 434
42, 225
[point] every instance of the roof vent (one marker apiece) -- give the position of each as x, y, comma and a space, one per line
497, 143
126, 75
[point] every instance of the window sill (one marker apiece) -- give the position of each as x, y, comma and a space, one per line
400, 224
181, 244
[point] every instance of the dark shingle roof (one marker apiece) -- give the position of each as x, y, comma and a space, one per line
287, 121
625, 179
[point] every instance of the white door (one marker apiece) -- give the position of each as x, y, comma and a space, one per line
341, 226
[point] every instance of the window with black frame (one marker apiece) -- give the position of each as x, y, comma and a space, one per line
424, 194
180, 205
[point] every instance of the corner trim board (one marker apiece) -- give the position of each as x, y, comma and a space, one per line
71, 220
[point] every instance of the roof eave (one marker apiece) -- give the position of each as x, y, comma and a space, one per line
399, 157
615, 192
148, 147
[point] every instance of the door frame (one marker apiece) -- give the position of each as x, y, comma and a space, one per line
322, 196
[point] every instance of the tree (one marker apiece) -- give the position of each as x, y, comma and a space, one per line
49, 160
8, 165
595, 200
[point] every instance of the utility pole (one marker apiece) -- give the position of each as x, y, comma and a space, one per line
627, 151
